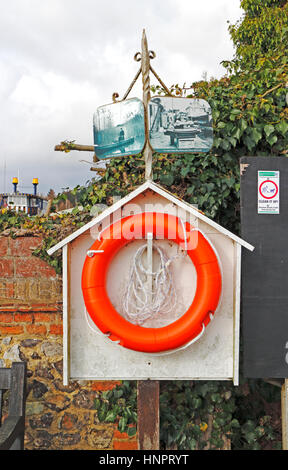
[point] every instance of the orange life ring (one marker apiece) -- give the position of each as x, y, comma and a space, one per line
190, 324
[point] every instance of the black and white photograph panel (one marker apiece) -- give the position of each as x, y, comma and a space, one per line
180, 125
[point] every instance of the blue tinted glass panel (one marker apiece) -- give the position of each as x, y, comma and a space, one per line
119, 129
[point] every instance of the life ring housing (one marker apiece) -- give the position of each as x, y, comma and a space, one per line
190, 324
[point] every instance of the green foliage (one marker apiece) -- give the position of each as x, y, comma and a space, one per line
204, 415
186, 409
10, 218
119, 405
262, 32
259, 415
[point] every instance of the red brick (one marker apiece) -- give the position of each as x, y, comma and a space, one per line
4, 246
44, 308
6, 267
104, 385
43, 317
23, 317
24, 246
6, 317
120, 435
11, 330
123, 435
33, 267
125, 445
56, 330
36, 329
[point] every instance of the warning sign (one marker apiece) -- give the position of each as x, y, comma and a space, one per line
268, 192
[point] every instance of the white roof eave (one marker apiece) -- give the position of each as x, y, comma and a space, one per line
163, 192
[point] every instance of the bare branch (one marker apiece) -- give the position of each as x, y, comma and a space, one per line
68, 146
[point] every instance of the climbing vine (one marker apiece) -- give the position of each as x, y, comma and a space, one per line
215, 415
119, 404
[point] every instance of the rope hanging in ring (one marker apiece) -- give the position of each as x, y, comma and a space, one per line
155, 337
139, 303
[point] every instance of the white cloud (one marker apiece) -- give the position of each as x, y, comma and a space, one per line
60, 60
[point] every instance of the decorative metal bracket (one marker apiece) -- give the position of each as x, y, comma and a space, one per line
144, 56
138, 57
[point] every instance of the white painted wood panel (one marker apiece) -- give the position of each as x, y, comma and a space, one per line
66, 312
214, 357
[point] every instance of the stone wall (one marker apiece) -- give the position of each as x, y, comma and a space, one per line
57, 416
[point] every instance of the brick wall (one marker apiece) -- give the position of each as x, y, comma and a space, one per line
57, 417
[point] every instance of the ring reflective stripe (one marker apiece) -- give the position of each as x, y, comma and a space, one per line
190, 324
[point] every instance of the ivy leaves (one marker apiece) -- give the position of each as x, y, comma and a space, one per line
185, 408
253, 123
119, 405
203, 415
270, 134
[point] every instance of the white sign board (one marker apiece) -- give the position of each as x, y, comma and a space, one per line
268, 192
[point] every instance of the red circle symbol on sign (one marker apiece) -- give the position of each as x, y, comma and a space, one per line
270, 189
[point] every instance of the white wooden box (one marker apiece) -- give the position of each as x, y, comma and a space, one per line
90, 355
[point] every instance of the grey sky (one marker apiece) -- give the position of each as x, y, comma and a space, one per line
61, 59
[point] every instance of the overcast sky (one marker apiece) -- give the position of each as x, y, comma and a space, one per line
61, 59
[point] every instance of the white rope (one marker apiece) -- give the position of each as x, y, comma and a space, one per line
139, 303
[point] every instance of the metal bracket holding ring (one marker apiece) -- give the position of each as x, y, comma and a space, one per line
91, 253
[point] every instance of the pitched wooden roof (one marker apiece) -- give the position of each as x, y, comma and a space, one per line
161, 191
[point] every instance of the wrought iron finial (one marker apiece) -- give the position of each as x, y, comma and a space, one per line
145, 68
144, 57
